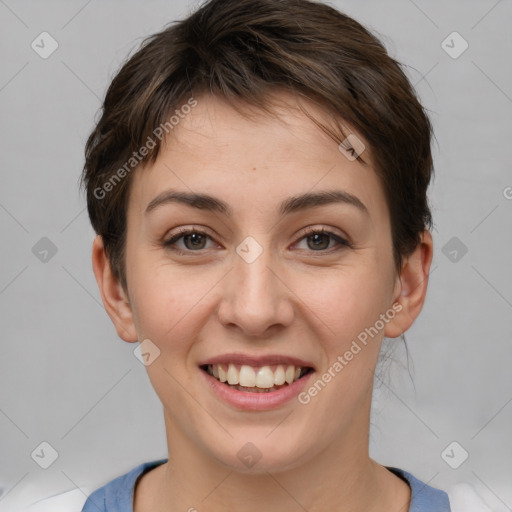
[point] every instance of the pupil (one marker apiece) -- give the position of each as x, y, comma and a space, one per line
195, 237
317, 237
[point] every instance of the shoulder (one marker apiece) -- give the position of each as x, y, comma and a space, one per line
117, 495
424, 498
114, 496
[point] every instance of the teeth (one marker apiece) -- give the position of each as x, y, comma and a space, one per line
264, 378
290, 374
232, 375
249, 377
279, 376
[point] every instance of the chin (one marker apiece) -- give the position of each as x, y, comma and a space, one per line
260, 456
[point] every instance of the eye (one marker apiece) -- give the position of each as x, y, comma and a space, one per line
320, 240
194, 240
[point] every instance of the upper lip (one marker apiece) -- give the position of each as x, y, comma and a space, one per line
256, 361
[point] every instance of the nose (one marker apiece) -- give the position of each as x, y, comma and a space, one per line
256, 298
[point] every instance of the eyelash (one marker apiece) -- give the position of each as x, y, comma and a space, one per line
170, 244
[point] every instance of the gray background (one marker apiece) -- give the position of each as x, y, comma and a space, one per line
65, 376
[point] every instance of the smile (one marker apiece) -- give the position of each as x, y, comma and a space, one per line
259, 379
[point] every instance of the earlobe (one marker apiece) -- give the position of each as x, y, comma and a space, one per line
113, 295
411, 287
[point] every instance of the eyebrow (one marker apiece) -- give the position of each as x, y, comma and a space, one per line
289, 205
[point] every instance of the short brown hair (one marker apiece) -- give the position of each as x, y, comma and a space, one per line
243, 50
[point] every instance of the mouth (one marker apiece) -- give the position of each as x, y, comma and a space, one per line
256, 379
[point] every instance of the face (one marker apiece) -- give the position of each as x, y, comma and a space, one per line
255, 282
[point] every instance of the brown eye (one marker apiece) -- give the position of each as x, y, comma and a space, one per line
318, 240
193, 240
196, 240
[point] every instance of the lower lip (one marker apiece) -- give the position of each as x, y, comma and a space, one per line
248, 401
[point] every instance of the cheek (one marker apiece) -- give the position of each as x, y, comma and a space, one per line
343, 301
165, 301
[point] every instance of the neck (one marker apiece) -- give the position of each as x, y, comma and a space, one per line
341, 478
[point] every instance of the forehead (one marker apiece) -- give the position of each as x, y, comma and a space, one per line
258, 160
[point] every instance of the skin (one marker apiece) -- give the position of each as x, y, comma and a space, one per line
294, 299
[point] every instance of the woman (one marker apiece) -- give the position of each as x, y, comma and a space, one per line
258, 184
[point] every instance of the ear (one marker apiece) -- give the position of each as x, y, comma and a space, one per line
113, 295
411, 287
